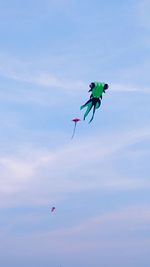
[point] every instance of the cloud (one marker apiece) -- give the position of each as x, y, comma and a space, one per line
14, 174
24, 72
128, 87
38, 175
29, 72
129, 219
25, 82
119, 230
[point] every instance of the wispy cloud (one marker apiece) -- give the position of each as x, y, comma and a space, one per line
128, 87
130, 218
57, 172
28, 72
118, 229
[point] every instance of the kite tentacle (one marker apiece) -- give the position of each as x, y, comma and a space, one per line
89, 105
92, 102
96, 105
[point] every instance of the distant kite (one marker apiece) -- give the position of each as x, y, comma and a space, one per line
75, 120
53, 209
97, 89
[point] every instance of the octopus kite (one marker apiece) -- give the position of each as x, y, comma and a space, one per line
96, 89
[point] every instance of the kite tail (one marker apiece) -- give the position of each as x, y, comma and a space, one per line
74, 129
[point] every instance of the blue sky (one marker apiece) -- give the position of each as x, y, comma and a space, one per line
99, 182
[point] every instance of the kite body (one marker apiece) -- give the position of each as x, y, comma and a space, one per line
97, 89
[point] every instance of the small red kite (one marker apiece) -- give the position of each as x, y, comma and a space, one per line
75, 120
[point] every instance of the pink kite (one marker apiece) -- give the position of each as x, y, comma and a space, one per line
75, 120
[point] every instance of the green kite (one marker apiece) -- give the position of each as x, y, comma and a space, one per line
96, 89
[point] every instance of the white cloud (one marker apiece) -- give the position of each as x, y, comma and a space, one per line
27, 72
129, 219
42, 82
121, 230
14, 174
116, 87
48, 174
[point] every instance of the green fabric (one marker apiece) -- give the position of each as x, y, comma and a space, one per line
98, 89
89, 106
91, 103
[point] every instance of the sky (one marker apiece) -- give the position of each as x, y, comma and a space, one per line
50, 51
